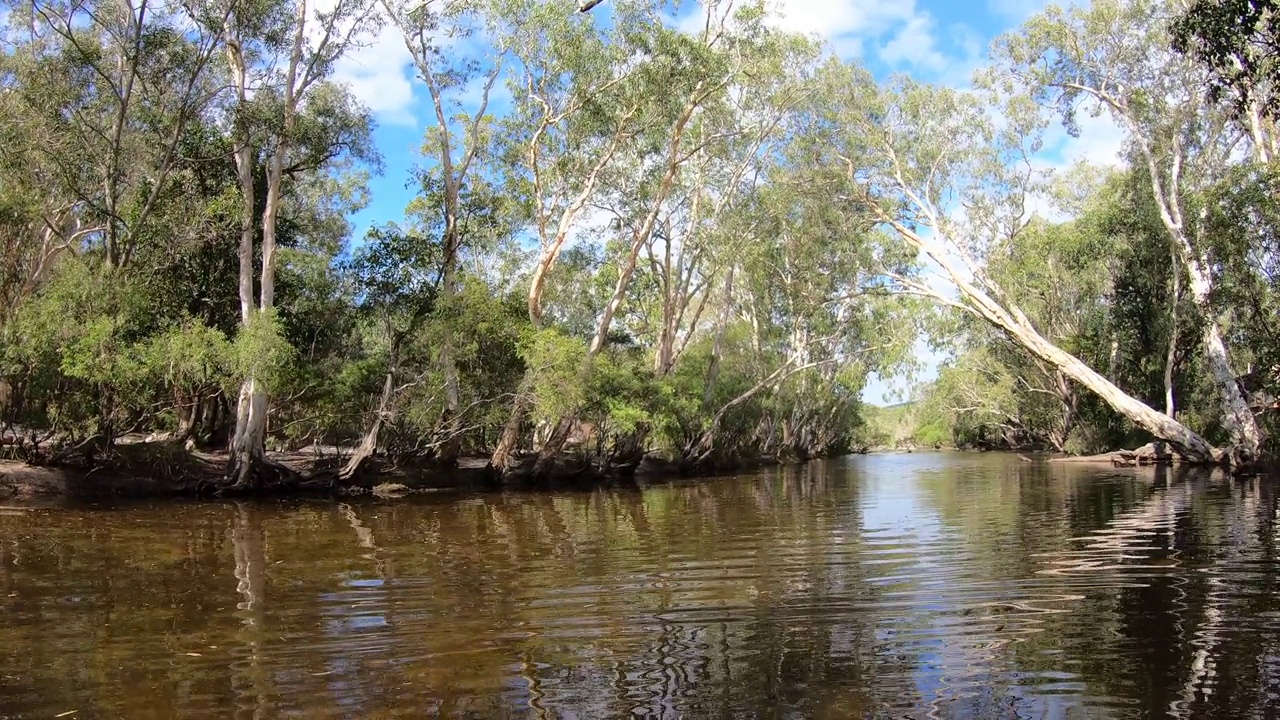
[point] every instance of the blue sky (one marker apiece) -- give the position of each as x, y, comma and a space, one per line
933, 40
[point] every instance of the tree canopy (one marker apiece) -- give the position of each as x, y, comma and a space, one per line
687, 241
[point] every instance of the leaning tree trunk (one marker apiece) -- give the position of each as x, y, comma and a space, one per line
369, 444
1246, 436
1014, 323
552, 448
1190, 444
503, 461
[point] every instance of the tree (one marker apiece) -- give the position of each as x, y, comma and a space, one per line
1111, 56
99, 98
914, 156
1239, 42
454, 144
278, 55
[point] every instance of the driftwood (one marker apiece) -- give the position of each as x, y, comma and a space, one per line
1155, 453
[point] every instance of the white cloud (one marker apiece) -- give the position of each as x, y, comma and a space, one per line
903, 35
380, 74
844, 25
1100, 145
1100, 142
470, 96
914, 44
377, 68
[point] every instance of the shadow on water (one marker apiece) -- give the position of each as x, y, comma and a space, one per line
927, 585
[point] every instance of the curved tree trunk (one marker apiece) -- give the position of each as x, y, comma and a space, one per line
369, 444
503, 459
552, 448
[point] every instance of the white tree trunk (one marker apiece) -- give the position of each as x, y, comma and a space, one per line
1237, 417
1014, 323
248, 445
1157, 423
1171, 356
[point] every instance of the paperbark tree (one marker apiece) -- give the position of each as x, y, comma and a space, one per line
1116, 57
572, 117
278, 56
437, 39
711, 98
931, 166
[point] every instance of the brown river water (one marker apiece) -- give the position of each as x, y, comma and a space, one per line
927, 585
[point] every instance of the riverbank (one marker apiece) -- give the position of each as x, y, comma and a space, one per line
163, 469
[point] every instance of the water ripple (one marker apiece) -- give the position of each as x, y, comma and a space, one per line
911, 586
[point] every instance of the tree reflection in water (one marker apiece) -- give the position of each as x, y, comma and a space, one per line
924, 585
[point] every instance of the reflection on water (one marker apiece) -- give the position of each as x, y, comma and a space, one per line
885, 586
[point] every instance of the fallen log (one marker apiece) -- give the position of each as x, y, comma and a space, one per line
1156, 453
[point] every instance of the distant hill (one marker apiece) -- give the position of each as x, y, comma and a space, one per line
891, 425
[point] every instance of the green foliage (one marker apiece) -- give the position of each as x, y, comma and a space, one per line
1238, 42
261, 353
555, 361
722, 222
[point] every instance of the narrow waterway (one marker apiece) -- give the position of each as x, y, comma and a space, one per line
928, 585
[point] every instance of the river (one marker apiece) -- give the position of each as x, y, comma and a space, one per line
926, 585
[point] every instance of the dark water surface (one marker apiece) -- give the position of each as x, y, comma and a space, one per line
884, 586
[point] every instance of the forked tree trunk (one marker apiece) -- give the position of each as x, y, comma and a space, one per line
248, 442
248, 445
1246, 436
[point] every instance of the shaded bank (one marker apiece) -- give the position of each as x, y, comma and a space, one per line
162, 469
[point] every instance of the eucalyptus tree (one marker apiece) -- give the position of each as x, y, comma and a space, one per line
692, 249
807, 293
98, 97
456, 49
1060, 277
680, 84
285, 120
693, 153
1115, 56
932, 166
570, 117
398, 276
